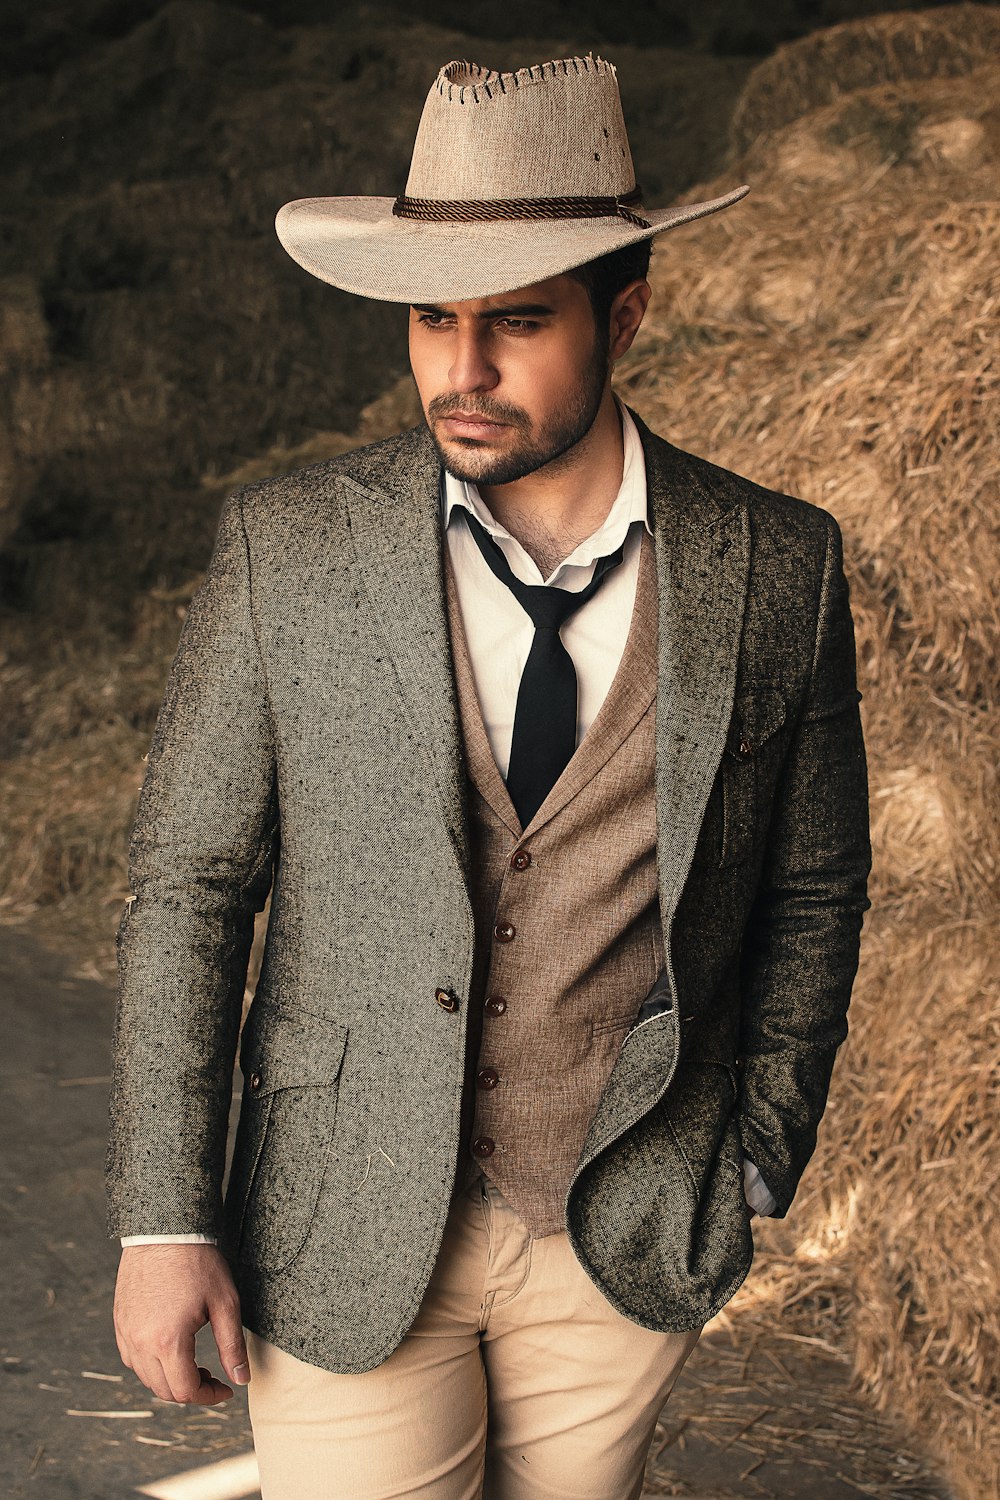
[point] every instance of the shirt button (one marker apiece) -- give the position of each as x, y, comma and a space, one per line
487, 1078
496, 1005
446, 999
504, 932
520, 859
483, 1145
254, 1081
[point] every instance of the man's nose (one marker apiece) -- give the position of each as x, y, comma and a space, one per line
471, 369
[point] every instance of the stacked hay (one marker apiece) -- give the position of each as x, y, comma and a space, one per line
939, 43
835, 337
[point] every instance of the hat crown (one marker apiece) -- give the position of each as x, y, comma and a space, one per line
552, 130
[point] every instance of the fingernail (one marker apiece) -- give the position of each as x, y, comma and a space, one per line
241, 1374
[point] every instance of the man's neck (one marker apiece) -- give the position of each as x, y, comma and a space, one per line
553, 510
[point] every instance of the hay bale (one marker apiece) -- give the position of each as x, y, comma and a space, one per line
894, 1247
835, 337
861, 314
802, 76
924, 1251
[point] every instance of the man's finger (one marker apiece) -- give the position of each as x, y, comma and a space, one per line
150, 1373
227, 1327
181, 1371
212, 1391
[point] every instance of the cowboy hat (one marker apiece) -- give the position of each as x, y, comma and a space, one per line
515, 177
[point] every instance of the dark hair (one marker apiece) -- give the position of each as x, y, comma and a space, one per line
609, 274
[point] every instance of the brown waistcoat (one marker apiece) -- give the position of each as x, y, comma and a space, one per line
567, 920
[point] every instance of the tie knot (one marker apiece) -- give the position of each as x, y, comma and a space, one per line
547, 607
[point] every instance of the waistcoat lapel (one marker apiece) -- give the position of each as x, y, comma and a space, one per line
632, 690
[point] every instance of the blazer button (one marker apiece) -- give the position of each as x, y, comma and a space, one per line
446, 999
520, 859
483, 1145
504, 932
487, 1078
496, 1005
254, 1081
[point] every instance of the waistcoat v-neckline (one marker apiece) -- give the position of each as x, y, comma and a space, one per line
632, 690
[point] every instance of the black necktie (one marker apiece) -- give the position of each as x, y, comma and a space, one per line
545, 717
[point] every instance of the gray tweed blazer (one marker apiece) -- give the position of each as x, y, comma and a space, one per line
310, 736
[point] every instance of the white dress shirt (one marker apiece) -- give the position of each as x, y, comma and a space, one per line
499, 634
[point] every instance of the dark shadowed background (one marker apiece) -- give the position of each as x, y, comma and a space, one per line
834, 336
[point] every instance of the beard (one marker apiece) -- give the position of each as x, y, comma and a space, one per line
473, 460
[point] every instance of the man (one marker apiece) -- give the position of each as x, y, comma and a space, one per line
544, 736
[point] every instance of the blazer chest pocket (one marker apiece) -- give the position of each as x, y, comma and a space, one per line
291, 1064
749, 765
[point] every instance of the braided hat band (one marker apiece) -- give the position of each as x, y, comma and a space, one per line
482, 210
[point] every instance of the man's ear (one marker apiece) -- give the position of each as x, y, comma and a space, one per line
627, 312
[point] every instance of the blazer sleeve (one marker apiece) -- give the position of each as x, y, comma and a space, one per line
200, 862
800, 948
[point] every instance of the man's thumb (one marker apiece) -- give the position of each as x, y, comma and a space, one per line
229, 1340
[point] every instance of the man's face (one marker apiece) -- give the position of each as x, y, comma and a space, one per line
511, 382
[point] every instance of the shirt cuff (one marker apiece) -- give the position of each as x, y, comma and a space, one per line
756, 1191
169, 1239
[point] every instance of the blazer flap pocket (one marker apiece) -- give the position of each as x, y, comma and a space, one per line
756, 716
286, 1049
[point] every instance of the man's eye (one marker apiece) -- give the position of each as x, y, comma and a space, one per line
432, 320
517, 325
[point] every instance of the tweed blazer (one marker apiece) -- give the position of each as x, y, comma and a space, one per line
309, 743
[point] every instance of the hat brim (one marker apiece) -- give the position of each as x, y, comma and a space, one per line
357, 244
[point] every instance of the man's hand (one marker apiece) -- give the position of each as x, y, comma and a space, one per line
164, 1295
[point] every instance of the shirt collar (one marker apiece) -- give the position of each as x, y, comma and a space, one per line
630, 505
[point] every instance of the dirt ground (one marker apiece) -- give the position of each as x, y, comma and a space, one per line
768, 1418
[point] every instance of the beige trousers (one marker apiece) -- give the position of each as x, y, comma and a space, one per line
517, 1381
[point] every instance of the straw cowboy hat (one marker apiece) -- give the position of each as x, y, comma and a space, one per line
514, 177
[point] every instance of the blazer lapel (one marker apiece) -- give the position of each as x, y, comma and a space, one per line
703, 564
395, 524
703, 560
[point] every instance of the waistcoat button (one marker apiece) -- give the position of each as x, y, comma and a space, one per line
487, 1078
483, 1145
446, 1000
496, 1005
254, 1081
504, 932
746, 748
520, 859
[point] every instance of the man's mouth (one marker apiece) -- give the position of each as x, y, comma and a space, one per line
471, 424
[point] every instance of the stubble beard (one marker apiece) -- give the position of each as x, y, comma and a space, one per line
471, 459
